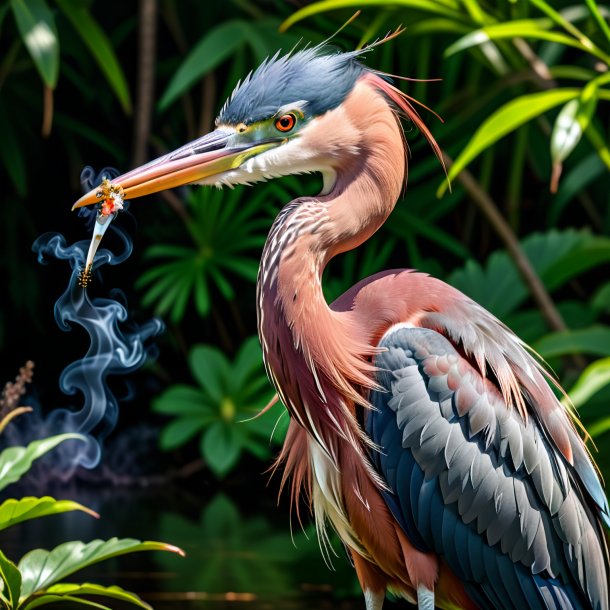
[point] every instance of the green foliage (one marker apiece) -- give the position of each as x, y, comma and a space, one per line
219, 43
16, 461
99, 46
40, 569
16, 511
224, 410
225, 231
34, 581
37, 28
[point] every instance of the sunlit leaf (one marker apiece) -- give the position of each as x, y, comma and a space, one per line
592, 380
37, 28
112, 592
100, 47
16, 461
522, 28
505, 120
40, 568
572, 120
439, 7
15, 511
55, 600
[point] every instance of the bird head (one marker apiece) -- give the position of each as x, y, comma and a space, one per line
287, 117
271, 125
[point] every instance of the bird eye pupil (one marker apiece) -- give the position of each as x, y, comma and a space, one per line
286, 122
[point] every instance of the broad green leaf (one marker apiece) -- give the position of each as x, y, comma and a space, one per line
37, 28
16, 461
586, 252
505, 120
591, 381
112, 592
594, 340
557, 256
601, 299
100, 47
15, 511
211, 370
55, 600
215, 46
221, 448
11, 578
180, 431
182, 400
248, 360
41, 568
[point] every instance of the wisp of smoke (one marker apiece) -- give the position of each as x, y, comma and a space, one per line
117, 346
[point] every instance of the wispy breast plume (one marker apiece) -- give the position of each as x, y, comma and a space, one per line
118, 346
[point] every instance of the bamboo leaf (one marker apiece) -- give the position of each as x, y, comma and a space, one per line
36, 25
439, 7
215, 46
100, 47
522, 28
505, 120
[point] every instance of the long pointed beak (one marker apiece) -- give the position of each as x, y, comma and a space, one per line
208, 156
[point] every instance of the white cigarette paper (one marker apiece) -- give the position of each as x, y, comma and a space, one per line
111, 204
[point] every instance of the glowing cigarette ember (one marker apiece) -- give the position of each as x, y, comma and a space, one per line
110, 204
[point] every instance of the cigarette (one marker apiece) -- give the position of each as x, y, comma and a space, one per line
111, 203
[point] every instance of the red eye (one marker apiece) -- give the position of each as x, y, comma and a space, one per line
286, 122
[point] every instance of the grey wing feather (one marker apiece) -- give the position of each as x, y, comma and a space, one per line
490, 479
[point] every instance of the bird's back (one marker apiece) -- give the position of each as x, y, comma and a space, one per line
506, 496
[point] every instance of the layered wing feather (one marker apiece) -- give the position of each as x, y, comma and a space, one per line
474, 482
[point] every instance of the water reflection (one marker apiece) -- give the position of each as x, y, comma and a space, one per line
237, 557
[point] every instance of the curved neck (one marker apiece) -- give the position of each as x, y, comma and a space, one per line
310, 350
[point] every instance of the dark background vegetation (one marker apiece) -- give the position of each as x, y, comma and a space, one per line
126, 82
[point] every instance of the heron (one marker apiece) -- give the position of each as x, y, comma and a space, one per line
422, 429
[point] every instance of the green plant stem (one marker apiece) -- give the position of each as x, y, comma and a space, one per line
502, 228
147, 39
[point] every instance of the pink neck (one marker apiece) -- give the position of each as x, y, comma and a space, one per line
312, 352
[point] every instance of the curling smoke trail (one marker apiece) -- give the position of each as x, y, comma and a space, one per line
118, 346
